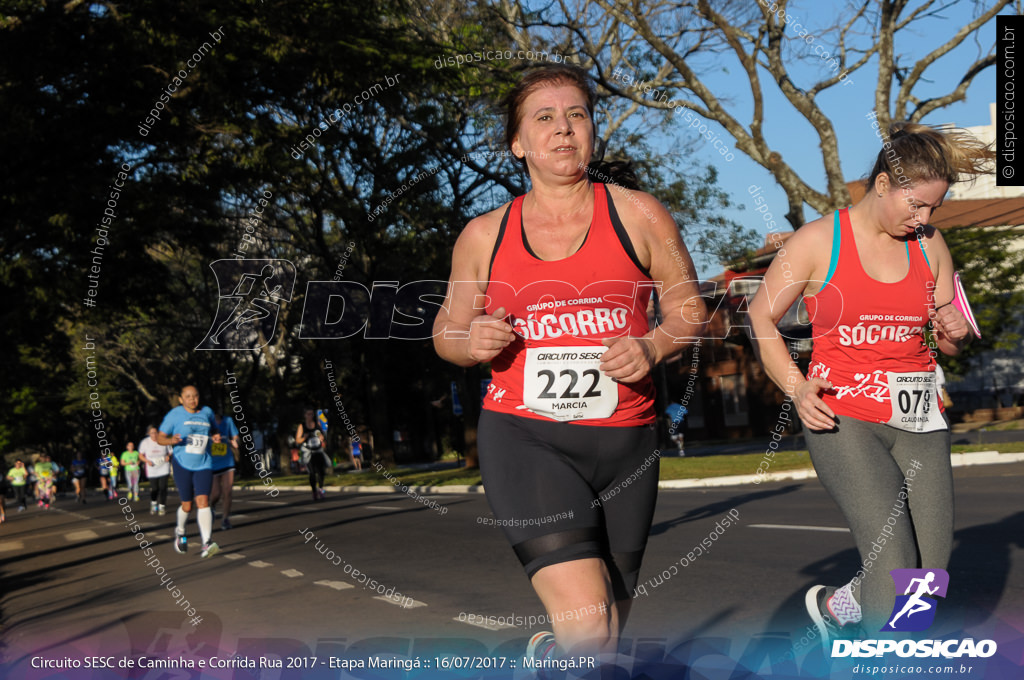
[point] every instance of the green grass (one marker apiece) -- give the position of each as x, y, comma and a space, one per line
671, 468
739, 464
1001, 447
405, 476
1009, 425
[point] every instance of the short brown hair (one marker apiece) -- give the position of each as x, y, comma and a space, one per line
548, 75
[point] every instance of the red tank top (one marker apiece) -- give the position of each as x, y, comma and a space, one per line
864, 329
561, 311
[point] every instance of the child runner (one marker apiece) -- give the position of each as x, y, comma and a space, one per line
114, 468
132, 470
44, 481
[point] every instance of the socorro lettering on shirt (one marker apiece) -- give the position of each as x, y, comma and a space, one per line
893, 328
555, 318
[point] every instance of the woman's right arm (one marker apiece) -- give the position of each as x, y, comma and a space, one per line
463, 333
165, 439
299, 435
786, 279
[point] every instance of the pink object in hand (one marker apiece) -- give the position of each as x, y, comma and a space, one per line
960, 302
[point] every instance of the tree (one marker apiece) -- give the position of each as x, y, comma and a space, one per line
334, 120
672, 47
993, 277
222, 140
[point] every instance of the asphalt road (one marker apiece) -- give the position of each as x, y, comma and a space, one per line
75, 583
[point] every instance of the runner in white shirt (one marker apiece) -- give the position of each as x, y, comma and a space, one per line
158, 467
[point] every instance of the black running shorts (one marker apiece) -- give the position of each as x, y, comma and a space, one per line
564, 492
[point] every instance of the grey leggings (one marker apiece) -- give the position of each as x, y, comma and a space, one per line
863, 466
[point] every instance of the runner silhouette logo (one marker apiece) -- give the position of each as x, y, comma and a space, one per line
249, 303
914, 610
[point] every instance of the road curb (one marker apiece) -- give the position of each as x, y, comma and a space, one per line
956, 460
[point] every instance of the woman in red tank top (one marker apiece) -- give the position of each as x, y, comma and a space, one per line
874, 277
552, 289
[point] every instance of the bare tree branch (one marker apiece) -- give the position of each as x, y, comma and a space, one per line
666, 44
911, 80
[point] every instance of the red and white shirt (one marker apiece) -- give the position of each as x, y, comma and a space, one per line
561, 311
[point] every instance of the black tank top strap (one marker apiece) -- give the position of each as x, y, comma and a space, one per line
501, 235
622, 234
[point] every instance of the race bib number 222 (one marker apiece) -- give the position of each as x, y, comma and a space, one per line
566, 383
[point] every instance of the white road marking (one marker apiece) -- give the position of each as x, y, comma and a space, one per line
11, 546
259, 564
799, 527
401, 602
82, 516
233, 556
337, 585
292, 573
242, 500
84, 535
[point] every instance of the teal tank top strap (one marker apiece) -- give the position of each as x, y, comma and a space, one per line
837, 240
920, 242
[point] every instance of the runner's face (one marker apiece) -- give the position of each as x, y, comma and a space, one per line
912, 205
190, 399
556, 132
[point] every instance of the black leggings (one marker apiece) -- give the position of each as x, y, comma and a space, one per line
317, 469
158, 490
564, 491
864, 467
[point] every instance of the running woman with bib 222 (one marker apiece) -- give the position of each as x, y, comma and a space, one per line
553, 289
873, 277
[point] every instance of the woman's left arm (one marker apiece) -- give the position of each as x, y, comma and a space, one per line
684, 316
950, 326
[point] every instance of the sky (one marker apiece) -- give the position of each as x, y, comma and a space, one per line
846, 105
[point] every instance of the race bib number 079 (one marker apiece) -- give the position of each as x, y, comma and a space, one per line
566, 383
915, 405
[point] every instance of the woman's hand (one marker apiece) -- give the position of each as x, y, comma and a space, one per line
489, 335
813, 411
628, 360
950, 322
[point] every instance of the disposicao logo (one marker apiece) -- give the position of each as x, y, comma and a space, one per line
250, 297
913, 611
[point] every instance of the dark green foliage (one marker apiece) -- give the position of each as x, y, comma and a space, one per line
992, 272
